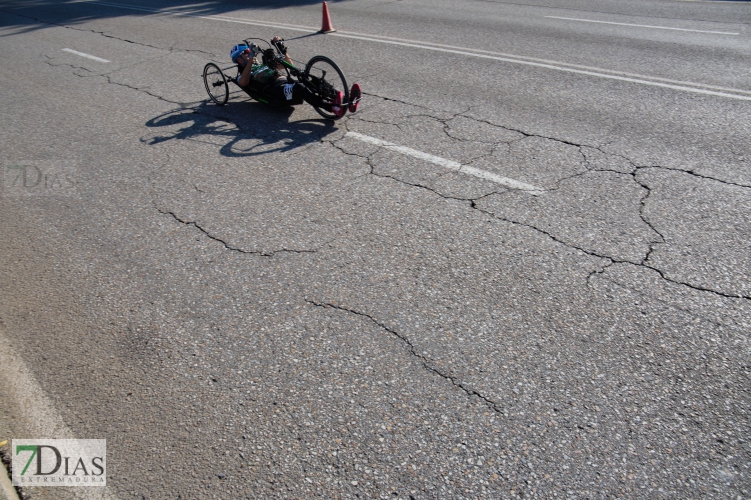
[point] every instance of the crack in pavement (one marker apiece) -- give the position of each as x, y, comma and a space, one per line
144, 91
601, 150
110, 81
693, 173
554, 139
692, 313
426, 363
611, 260
261, 253
642, 207
642, 203
372, 172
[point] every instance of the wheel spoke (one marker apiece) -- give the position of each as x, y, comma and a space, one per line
328, 80
216, 84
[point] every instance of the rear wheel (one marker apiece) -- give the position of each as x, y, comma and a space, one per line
327, 79
216, 84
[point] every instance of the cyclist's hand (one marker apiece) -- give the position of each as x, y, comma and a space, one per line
279, 45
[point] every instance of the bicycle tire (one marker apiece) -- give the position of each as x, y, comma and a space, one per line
216, 84
326, 86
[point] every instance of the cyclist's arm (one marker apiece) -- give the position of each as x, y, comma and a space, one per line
245, 77
286, 56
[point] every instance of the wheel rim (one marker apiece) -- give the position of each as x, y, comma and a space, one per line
216, 84
329, 79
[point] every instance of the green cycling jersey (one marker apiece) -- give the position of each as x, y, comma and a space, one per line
260, 74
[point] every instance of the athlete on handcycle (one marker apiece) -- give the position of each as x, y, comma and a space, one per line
274, 82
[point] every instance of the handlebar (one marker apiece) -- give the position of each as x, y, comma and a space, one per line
279, 45
274, 45
280, 55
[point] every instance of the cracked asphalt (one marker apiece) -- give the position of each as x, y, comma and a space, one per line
249, 302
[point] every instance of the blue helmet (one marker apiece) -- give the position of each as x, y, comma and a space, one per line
236, 51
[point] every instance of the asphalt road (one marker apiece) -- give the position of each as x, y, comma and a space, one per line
248, 302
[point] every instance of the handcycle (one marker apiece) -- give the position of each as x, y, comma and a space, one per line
321, 75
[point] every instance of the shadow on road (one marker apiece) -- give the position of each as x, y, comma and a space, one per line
31, 15
240, 129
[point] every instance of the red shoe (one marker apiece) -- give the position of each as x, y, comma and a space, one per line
336, 106
354, 97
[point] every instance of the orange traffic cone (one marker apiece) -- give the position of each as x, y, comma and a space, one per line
326, 25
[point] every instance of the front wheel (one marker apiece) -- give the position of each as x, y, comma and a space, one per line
326, 79
216, 84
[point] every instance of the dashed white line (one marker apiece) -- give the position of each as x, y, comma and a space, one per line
89, 56
449, 164
641, 25
697, 88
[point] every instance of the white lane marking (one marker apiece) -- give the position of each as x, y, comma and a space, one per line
449, 164
557, 63
35, 414
6, 486
641, 25
555, 66
697, 88
99, 59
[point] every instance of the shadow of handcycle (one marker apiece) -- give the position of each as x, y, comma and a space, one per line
250, 128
